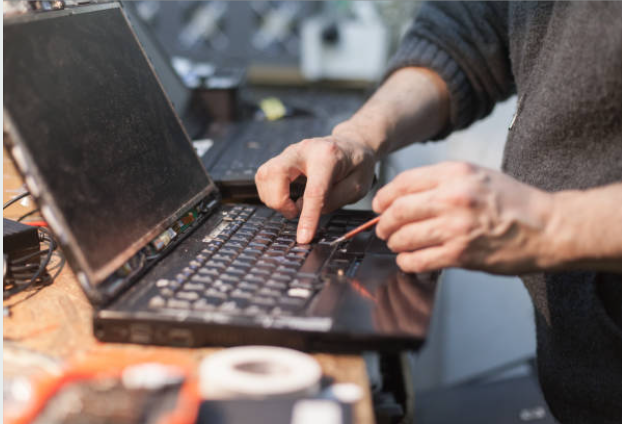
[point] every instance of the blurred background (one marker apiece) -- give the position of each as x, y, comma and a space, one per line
481, 322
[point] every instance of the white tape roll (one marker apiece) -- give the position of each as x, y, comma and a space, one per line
259, 372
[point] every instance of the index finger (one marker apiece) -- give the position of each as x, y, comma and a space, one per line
319, 180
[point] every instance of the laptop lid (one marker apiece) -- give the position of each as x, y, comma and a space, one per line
96, 138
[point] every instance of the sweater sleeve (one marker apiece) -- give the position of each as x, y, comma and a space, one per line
466, 43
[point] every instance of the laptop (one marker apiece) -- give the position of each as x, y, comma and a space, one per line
141, 223
237, 149
240, 148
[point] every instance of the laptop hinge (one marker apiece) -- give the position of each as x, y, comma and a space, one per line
130, 272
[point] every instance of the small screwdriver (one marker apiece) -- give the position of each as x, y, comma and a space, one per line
357, 230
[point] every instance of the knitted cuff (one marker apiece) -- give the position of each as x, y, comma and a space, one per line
416, 51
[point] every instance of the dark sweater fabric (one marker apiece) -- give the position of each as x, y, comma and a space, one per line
564, 60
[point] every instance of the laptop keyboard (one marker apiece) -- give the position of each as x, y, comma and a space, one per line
254, 265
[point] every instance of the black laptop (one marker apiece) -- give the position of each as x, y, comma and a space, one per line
237, 149
141, 223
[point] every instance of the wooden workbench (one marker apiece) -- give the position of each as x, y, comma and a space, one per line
57, 321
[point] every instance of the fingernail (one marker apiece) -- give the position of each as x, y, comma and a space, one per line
375, 206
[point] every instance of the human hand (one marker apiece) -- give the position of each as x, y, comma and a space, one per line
339, 170
460, 215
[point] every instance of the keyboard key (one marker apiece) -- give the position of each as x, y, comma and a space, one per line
242, 263
202, 278
166, 292
195, 286
227, 251
303, 282
275, 284
223, 286
206, 305
212, 272
230, 278
301, 248
222, 258
299, 292
258, 246
266, 291
248, 286
287, 270
252, 251
157, 302
193, 265
178, 304
215, 265
261, 272
162, 282
263, 301
232, 270
187, 295
254, 278
212, 293
233, 305
281, 277
201, 258
242, 294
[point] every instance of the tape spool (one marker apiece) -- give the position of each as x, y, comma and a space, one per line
259, 372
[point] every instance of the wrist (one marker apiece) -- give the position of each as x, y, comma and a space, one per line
562, 249
367, 132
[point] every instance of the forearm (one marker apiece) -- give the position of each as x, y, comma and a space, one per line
585, 230
411, 106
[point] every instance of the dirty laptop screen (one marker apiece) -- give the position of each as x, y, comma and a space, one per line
102, 135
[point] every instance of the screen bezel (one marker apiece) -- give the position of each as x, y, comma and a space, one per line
33, 179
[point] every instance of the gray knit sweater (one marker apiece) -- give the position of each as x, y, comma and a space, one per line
564, 60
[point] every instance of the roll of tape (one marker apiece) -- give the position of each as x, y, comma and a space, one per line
259, 372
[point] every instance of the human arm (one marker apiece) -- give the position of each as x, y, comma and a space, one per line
451, 68
461, 215
411, 105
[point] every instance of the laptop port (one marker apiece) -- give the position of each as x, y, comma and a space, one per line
180, 337
140, 333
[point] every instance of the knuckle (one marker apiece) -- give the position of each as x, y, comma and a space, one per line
304, 144
462, 197
262, 173
461, 168
394, 243
400, 209
462, 226
410, 263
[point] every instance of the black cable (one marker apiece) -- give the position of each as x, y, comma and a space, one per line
30, 255
27, 214
15, 199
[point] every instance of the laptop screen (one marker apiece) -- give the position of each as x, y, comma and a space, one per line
106, 145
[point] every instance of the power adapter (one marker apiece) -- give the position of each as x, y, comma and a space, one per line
19, 241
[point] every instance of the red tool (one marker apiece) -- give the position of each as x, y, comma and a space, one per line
354, 232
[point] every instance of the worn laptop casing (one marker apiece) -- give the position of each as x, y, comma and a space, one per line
78, 181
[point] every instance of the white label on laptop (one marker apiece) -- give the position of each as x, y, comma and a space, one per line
202, 146
304, 323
